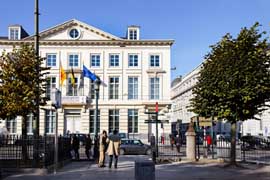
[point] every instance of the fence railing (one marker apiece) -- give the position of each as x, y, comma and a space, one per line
250, 150
32, 152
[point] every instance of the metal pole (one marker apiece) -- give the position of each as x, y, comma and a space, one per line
156, 134
212, 134
37, 65
198, 136
96, 112
56, 141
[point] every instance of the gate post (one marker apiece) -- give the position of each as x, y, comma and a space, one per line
190, 148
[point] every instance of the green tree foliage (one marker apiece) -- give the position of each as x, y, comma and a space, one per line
234, 81
21, 83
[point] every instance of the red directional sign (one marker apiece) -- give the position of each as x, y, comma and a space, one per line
156, 106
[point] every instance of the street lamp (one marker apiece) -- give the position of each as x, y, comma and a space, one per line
96, 87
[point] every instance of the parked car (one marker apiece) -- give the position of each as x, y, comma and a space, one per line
254, 142
122, 135
134, 146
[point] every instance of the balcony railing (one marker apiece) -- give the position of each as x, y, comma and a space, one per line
82, 100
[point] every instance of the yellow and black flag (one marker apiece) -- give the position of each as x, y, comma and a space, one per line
72, 77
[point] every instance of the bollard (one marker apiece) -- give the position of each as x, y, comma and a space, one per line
144, 170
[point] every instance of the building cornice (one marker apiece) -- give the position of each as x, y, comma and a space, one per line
121, 43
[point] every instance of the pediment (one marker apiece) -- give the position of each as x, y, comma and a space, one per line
83, 32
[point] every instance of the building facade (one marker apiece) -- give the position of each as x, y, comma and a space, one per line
181, 93
135, 74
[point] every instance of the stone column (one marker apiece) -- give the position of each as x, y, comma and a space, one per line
190, 148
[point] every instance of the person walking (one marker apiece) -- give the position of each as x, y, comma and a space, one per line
209, 142
113, 148
76, 146
96, 148
178, 143
88, 145
102, 148
172, 141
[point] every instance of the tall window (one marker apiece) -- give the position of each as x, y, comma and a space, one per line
92, 90
73, 60
154, 61
51, 60
72, 90
14, 33
154, 88
114, 60
51, 83
133, 60
92, 119
132, 34
113, 120
50, 121
95, 60
113, 87
133, 121
132, 87
11, 125
29, 124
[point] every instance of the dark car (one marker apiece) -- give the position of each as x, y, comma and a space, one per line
134, 146
254, 142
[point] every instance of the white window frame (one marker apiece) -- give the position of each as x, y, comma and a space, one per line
47, 60
155, 61
156, 88
91, 60
50, 119
12, 37
131, 62
134, 87
114, 64
73, 64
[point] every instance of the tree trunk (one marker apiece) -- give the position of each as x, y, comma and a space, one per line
24, 138
233, 143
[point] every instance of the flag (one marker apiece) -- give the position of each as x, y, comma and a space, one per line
81, 81
72, 77
62, 75
89, 74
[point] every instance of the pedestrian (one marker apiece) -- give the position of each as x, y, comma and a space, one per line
208, 141
102, 148
152, 140
76, 146
172, 141
113, 148
178, 143
88, 145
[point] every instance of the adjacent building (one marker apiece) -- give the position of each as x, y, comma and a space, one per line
135, 74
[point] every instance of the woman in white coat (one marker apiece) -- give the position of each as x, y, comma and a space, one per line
113, 148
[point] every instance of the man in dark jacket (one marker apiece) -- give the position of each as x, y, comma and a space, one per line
76, 146
88, 145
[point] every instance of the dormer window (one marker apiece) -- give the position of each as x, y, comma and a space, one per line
133, 33
14, 33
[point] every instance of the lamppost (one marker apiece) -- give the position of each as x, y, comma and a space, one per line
96, 87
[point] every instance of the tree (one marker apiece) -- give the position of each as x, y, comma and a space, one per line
234, 81
21, 83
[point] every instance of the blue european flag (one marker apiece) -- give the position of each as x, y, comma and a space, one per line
89, 74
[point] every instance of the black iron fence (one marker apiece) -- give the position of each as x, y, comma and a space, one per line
249, 150
30, 152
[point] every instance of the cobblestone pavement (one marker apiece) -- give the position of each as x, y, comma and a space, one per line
205, 170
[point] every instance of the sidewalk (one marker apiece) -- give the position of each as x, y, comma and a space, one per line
175, 171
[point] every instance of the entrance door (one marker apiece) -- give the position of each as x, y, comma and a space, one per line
73, 123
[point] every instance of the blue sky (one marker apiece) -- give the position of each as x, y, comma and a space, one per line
193, 24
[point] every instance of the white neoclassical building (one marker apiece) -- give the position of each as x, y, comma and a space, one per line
181, 93
135, 74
